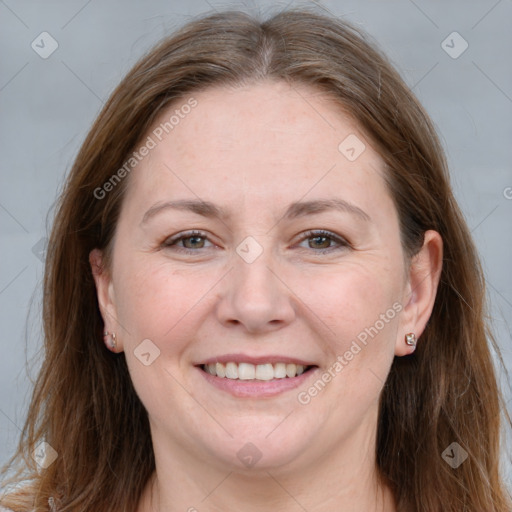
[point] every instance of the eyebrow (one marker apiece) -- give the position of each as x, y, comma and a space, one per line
294, 210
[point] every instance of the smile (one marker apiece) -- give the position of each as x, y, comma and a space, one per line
259, 378
248, 371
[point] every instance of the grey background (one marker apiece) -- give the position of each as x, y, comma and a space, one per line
47, 106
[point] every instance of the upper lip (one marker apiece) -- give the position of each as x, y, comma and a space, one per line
244, 358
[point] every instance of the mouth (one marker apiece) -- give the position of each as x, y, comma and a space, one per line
256, 380
261, 372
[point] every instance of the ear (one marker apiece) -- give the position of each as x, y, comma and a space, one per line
105, 294
420, 293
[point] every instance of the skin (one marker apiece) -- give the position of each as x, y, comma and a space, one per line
254, 150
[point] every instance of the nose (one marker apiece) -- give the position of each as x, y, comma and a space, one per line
256, 297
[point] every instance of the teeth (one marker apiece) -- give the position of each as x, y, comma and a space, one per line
279, 370
264, 372
247, 371
220, 369
232, 371
291, 370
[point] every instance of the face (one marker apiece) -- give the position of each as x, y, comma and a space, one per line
251, 238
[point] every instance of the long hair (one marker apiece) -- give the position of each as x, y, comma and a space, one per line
84, 405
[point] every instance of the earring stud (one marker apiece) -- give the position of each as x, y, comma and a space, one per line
113, 339
410, 339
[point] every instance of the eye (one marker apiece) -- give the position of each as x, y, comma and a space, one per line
193, 241
189, 242
323, 240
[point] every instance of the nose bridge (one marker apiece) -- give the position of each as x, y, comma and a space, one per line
254, 279
253, 295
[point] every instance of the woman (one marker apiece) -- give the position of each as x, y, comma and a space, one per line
260, 293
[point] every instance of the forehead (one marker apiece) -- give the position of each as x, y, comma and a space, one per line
264, 143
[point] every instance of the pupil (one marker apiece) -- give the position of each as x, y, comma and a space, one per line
326, 239
192, 240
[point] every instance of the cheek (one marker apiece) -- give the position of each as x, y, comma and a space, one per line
162, 304
359, 307
342, 302
156, 301
352, 299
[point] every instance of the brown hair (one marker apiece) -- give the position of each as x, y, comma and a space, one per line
84, 404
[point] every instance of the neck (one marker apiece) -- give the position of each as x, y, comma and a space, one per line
232, 491
344, 480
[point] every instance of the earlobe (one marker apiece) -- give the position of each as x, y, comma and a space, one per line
423, 280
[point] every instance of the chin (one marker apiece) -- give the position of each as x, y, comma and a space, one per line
251, 451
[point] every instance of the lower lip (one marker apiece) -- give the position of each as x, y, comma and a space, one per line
256, 388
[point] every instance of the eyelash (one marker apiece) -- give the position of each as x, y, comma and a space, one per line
319, 233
